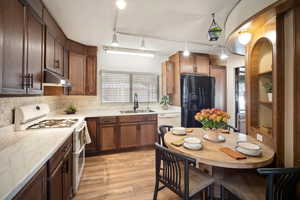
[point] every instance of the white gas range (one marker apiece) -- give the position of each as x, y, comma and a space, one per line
36, 117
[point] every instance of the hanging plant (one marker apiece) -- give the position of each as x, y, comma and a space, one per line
214, 30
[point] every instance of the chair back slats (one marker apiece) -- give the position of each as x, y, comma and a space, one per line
281, 183
172, 169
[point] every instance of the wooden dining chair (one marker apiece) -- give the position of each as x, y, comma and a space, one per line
163, 129
177, 172
280, 184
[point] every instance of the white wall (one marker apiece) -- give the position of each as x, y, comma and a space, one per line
233, 62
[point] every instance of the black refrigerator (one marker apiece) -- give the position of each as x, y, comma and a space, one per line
197, 93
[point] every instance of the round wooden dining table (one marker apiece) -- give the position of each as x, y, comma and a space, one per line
211, 154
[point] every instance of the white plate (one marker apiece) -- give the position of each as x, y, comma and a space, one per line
179, 131
192, 140
248, 153
221, 138
192, 146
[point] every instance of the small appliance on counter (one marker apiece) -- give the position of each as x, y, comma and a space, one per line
34, 117
197, 93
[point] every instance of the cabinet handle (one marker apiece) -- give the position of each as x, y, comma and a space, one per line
31, 80
56, 64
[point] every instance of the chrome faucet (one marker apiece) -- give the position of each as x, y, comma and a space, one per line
135, 102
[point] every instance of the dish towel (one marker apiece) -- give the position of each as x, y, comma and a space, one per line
232, 154
87, 134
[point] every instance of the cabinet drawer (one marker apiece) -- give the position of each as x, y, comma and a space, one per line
150, 117
131, 118
108, 120
59, 155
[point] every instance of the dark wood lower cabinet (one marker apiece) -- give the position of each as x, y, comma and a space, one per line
60, 179
110, 134
36, 189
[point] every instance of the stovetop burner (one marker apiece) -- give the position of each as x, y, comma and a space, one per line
54, 123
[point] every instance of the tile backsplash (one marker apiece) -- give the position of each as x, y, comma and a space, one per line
56, 103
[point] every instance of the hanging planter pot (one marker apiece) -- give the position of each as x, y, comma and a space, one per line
214, 30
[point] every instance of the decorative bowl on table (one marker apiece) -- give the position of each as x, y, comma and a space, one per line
179, 131
249, 149
192, 143
214, 137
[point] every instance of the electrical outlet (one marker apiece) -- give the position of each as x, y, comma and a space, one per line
259, 137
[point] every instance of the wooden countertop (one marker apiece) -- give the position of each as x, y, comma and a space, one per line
211, 155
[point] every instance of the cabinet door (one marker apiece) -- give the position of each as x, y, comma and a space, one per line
187, 64
77, 69
67, 175
91, 75
202, 64
37, 6
148, 133
128, 135
50, 51
36, 189
66, 63
34, 49
92, 127
12, 28
58, 57
219, 73
168, 78
107, 139
55, 183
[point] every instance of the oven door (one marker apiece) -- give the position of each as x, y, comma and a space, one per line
78, 163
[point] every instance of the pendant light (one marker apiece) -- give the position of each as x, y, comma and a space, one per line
214, 30
121, 4
186, 52
115, 42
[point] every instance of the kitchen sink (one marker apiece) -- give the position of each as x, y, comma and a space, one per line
137, 111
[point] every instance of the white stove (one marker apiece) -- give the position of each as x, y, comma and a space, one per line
35, 117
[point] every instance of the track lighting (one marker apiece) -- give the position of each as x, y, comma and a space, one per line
121, 4
115, 42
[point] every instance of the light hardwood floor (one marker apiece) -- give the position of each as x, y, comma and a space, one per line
121, 176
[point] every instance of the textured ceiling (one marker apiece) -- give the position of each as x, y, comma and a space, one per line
92, 21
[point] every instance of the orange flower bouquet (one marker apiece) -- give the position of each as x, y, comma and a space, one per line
212, 118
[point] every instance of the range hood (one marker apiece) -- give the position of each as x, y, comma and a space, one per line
54, 78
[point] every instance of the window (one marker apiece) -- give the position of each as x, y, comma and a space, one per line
121, 87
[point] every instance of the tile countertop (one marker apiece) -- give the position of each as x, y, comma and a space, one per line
26, 153
23, 153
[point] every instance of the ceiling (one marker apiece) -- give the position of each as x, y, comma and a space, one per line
92, 21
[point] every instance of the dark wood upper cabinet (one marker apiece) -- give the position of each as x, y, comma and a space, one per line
12, 63
34, 51
219, 72
66, 63
50, 51
36, 5
58, 57
187, 64
91, 76
77, 70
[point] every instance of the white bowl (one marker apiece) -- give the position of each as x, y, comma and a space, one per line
249, 146
192, 140
193, 146
249, 152
178, 130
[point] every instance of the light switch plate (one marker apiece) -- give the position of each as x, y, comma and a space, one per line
259, 137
